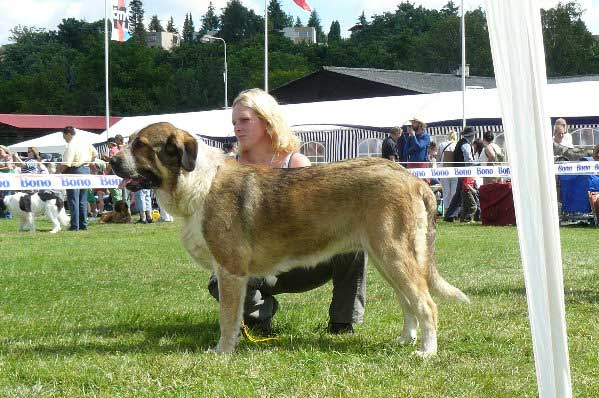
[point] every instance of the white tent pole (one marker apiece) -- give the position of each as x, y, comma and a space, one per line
266, 45
519, 61
106, 46
463, 31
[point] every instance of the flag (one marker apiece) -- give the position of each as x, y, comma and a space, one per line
303, 4
120, 21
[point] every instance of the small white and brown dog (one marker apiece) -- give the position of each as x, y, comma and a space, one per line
236, 220
29, 205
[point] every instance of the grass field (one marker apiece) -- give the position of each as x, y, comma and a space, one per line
120, 311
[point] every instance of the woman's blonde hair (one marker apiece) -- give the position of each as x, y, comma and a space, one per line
5, 149
36, 154
267, 109
453, 136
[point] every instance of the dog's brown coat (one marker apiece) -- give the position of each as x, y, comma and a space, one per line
246, 221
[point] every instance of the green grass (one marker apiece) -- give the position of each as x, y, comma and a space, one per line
121, 311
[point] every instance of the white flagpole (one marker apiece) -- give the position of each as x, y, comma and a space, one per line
106, 42
266, 45
463, 24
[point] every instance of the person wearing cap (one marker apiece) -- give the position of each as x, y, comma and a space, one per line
417, 143
463, 156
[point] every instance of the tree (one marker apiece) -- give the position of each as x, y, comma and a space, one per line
188, 29
450, 9
314, 22
210, 20
362, 20
155, 25
136, 20
334, 32
170, 26
568, 43
238, 23
277, 19
298, 23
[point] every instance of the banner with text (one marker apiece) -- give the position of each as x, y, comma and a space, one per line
18, 182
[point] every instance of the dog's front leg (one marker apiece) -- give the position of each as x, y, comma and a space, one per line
231, 291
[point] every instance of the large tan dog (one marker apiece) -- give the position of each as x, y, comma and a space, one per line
237, 221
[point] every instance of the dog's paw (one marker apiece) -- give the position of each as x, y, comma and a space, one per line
424, 354
54, 231
406, 340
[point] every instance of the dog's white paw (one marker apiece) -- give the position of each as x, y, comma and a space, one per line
55, 231
425, 354
406, 340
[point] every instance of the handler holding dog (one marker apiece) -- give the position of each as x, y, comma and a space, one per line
265, 139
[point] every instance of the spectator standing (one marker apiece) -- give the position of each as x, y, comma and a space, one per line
6, 166
463, 156
389, 147
560, 133
32, 164
446, 158
401, 145
76, 160
417, 143
490, 155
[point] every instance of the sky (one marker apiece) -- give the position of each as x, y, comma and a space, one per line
49, 13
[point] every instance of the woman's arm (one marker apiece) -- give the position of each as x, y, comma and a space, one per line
299, 160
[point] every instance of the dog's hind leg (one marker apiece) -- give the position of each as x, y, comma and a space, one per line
231, 291
31, 221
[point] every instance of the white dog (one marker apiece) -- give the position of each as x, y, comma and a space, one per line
29, 205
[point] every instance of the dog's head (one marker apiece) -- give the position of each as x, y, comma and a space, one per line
155, 156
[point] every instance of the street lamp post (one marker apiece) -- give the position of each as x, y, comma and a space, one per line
207, 39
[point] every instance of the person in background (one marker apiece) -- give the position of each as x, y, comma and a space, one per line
433, 150
6, 166
120, 142
265, 139
491, 154
596, 153
445, 157
560, 133
76, 160
417, 143
33, 163
143, 202
389, 147
463, 156
230, 149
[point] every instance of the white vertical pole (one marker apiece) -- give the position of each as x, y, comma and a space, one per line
226, 77
463, 29
106, 46
519, 62
266, 45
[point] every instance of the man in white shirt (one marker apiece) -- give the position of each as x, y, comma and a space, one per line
76, 160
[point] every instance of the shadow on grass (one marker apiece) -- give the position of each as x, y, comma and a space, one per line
193, 337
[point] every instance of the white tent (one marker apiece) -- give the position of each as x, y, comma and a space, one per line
54, 143
563, 100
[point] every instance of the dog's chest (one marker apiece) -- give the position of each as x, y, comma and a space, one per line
195, 244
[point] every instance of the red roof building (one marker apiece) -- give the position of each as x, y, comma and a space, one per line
17, 127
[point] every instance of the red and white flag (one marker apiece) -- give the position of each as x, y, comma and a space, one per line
120, 21
303, 4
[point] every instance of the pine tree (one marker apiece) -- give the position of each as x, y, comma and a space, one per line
210, 21
170, 27
298, 23
136, 19
334, 32
362, 20
314, 22
188, 29
277, 19
155, 25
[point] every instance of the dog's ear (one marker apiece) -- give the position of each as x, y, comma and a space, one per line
184, 147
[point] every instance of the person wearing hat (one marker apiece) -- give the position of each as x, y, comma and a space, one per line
463, 156
417, 143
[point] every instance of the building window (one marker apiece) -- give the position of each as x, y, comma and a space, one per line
314, 151
370, 147
585, 137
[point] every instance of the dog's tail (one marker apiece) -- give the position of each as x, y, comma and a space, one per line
436, 283
63, 217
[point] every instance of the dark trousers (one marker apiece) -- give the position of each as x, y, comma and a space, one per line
77, 200
347, 271
455, 206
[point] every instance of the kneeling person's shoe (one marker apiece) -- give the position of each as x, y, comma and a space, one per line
340, 328
261, 328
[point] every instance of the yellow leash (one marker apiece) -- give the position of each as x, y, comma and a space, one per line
245, 331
